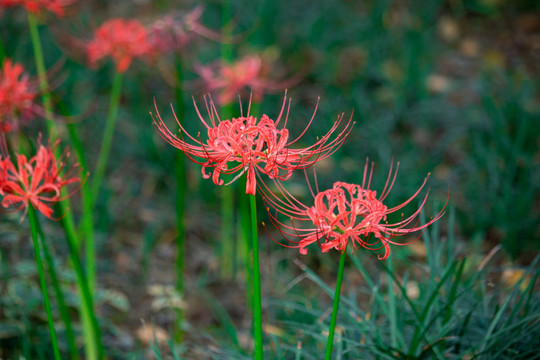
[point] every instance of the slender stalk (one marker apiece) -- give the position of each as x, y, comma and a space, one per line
257, 307
392, 303
335, 308
33, 228
74, 354
87, 220
103, 157
227, 231
47, 106
91, 332
245, 243
180, 174
107, 135
40, 65
46, 96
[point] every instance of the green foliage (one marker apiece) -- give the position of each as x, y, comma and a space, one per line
444, 310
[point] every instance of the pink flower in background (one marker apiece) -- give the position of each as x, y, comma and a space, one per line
346, 213
37, 182
173, 32
123, 40
250, 73
17, 95
38, 6
248, 145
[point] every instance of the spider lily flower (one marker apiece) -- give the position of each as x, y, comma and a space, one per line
17, 96
250, 72
37, 181
123, 40
173, 32
248, 145
346, 213
57, 7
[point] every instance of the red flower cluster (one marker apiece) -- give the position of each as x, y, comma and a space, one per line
247, 144
249, 72
345, 213
123, 40
39, 6
37, 181
17, 94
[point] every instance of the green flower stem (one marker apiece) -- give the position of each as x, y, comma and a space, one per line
33, 228
46, 97
227, 231
392, 304
40, 65
180, 174
257, 307
106, 143
245, 243
91, 332
87, 221
103, 157
335, 308
87, 225
74, 354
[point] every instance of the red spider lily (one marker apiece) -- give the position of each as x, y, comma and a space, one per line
121, 39
251, 72
39, 6
247, 144
17, 95
37, 181
345, 213
173, 32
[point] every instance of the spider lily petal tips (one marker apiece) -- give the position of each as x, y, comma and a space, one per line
37, 181
174, 31
346, 213
250, 145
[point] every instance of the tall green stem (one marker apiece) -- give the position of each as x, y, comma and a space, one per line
103, 157
335, 308
392, 303
69, 227
46, 97
244, 248
40, 65
107, 135
257, 307
74, 354
33, 228
87, 220
91, 332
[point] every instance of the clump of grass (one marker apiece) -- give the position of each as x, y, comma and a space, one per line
445, 308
